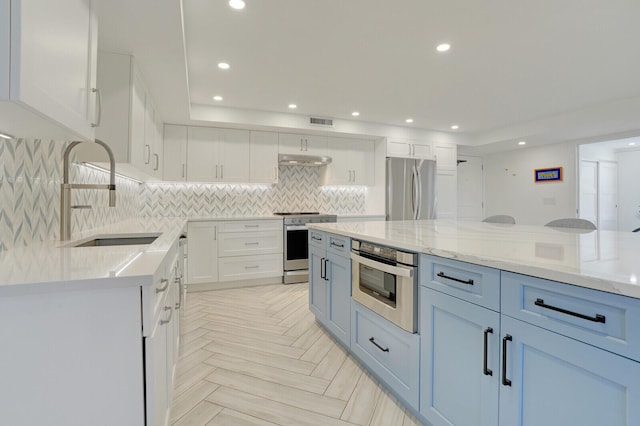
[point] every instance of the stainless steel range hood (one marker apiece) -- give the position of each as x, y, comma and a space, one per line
303, 160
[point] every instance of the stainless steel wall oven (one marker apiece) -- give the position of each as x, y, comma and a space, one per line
385, 280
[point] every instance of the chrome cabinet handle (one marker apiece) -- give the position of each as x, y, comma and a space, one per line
99, 106
147, 147
222, 171
183, 170
313, 237
486, 370
168, 320
252, 244
505, 339
252, 267
596, 318
337, 245
163, 288
157, 157
372, 340
322, 265
275, 173
216, 171
252, 226
458, 280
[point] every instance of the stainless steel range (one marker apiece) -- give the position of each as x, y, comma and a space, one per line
296, 245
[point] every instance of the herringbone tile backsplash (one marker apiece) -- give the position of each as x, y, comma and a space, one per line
31, 173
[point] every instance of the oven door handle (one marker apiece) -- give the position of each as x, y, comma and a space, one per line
295, 228
394, 270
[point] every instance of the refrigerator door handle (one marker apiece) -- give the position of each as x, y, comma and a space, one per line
419, 180
416, 192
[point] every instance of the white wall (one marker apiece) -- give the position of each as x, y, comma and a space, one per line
628, 190
510, 187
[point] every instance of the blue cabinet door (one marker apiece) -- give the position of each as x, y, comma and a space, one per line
339, 297
317, 283
456, 386
556, 380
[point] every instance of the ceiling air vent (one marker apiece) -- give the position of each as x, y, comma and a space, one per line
317, 121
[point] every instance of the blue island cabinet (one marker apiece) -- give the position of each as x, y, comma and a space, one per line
330, 283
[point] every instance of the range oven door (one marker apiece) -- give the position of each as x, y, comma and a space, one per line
296, 247
387, 289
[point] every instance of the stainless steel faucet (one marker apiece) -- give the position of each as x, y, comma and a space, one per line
65, 188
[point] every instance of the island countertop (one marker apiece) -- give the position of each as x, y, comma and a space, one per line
601, 260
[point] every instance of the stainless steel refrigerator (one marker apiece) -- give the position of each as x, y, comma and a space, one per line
411, 189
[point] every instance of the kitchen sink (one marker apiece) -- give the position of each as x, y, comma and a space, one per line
115, 240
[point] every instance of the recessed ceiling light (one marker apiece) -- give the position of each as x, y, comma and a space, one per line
409, 120
293, 106
455, 127
217, 98
632, 143
355, 113
5, 136
443, 47
522, 143
223, 66
236, 4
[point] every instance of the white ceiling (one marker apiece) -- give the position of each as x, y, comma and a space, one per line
543, 70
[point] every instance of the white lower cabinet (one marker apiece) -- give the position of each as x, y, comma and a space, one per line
224, 251
202, 261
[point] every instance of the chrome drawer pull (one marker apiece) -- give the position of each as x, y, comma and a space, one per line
505, 339
168, 320
487, 371
252, 244
458, 280
252, 267
597, 318
252, 226
337, 245
313, 237
372, 340
166, 284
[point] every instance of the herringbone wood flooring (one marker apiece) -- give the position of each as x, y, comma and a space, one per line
256, 356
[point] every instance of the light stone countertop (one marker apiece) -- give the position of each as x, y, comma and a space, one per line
49, 266
600, 260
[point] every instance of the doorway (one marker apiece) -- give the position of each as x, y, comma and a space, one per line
470, 188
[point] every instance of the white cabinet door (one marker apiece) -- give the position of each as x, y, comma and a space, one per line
202, 155
422, 150
447, 194
362, 162
290, 143
446, 155
264, 157
202, 260
175, 153
302, 144
158, 148
156, 379
234, 150
397, 148
140, 153
352, 162
55, 86
150, 136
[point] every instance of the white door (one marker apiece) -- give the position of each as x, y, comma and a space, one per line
175, 153
234, 151
315, 145
608, 195
202, 154
202, 261
588, 199
264, 157
340, 171
470, 188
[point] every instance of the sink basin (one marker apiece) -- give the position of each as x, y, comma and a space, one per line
115, 240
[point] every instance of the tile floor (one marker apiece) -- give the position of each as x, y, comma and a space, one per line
256, 356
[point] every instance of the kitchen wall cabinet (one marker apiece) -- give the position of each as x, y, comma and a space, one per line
218, 155
409, 149
302, 144
264, 157
43, 93
330, 282
352, 162
130, 123
175, 153
447, 193
202, 261
446, 155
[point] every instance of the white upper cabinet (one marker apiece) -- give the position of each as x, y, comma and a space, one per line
446, 155
409, 149
175, 153
202, 154
46, 92
218, 155
302, 144
264, 157
352, 162
130, 123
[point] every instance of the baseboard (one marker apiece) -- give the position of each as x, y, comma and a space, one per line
192, 288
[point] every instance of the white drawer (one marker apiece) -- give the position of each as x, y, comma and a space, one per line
250, 226
605, 320
249, 243
249, 267
154, 296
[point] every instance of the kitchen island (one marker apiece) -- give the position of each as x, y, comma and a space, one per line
517, 325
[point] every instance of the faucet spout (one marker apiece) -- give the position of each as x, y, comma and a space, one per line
66, 186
